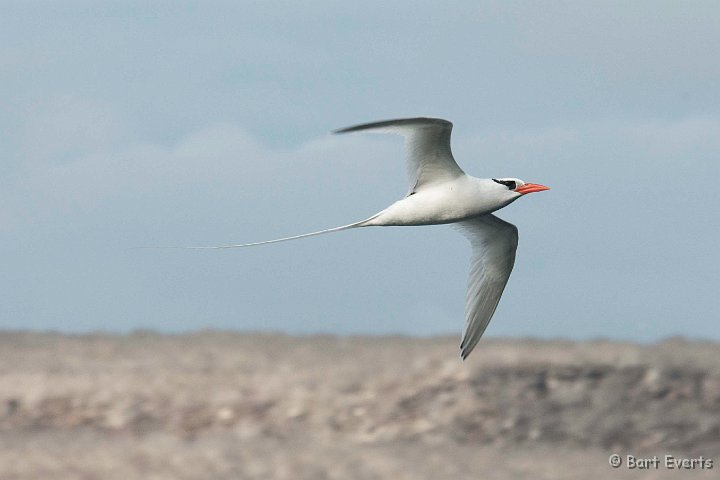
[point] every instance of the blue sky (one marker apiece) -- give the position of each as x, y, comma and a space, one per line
154, 123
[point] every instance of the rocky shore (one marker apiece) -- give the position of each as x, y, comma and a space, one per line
229, 405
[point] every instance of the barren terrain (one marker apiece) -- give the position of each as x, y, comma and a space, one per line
220, 405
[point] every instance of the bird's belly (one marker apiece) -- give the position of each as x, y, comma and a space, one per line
437, 206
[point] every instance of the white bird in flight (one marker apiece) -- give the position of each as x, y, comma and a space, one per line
440, 192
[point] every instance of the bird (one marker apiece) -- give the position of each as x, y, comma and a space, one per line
442, 193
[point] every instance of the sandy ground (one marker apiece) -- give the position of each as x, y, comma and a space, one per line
220, 405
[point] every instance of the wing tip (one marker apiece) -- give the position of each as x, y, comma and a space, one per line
464, 351
394, 122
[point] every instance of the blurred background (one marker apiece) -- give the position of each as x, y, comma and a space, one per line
128, 124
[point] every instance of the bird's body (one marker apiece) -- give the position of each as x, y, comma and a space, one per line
440, 193
446, 202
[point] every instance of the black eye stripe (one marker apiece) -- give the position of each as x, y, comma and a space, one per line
508, 183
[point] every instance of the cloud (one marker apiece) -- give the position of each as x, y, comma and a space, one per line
221, 162
67, 127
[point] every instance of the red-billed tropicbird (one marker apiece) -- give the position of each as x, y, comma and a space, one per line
440, 192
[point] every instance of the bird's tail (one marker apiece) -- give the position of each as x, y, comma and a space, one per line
277, 240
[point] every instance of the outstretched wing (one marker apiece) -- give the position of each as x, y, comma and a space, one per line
427, 144
494, 243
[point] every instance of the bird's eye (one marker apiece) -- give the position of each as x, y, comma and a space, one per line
508, 183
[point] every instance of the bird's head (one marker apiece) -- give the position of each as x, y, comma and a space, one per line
514, 188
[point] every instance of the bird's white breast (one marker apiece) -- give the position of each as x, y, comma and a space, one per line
444, 202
